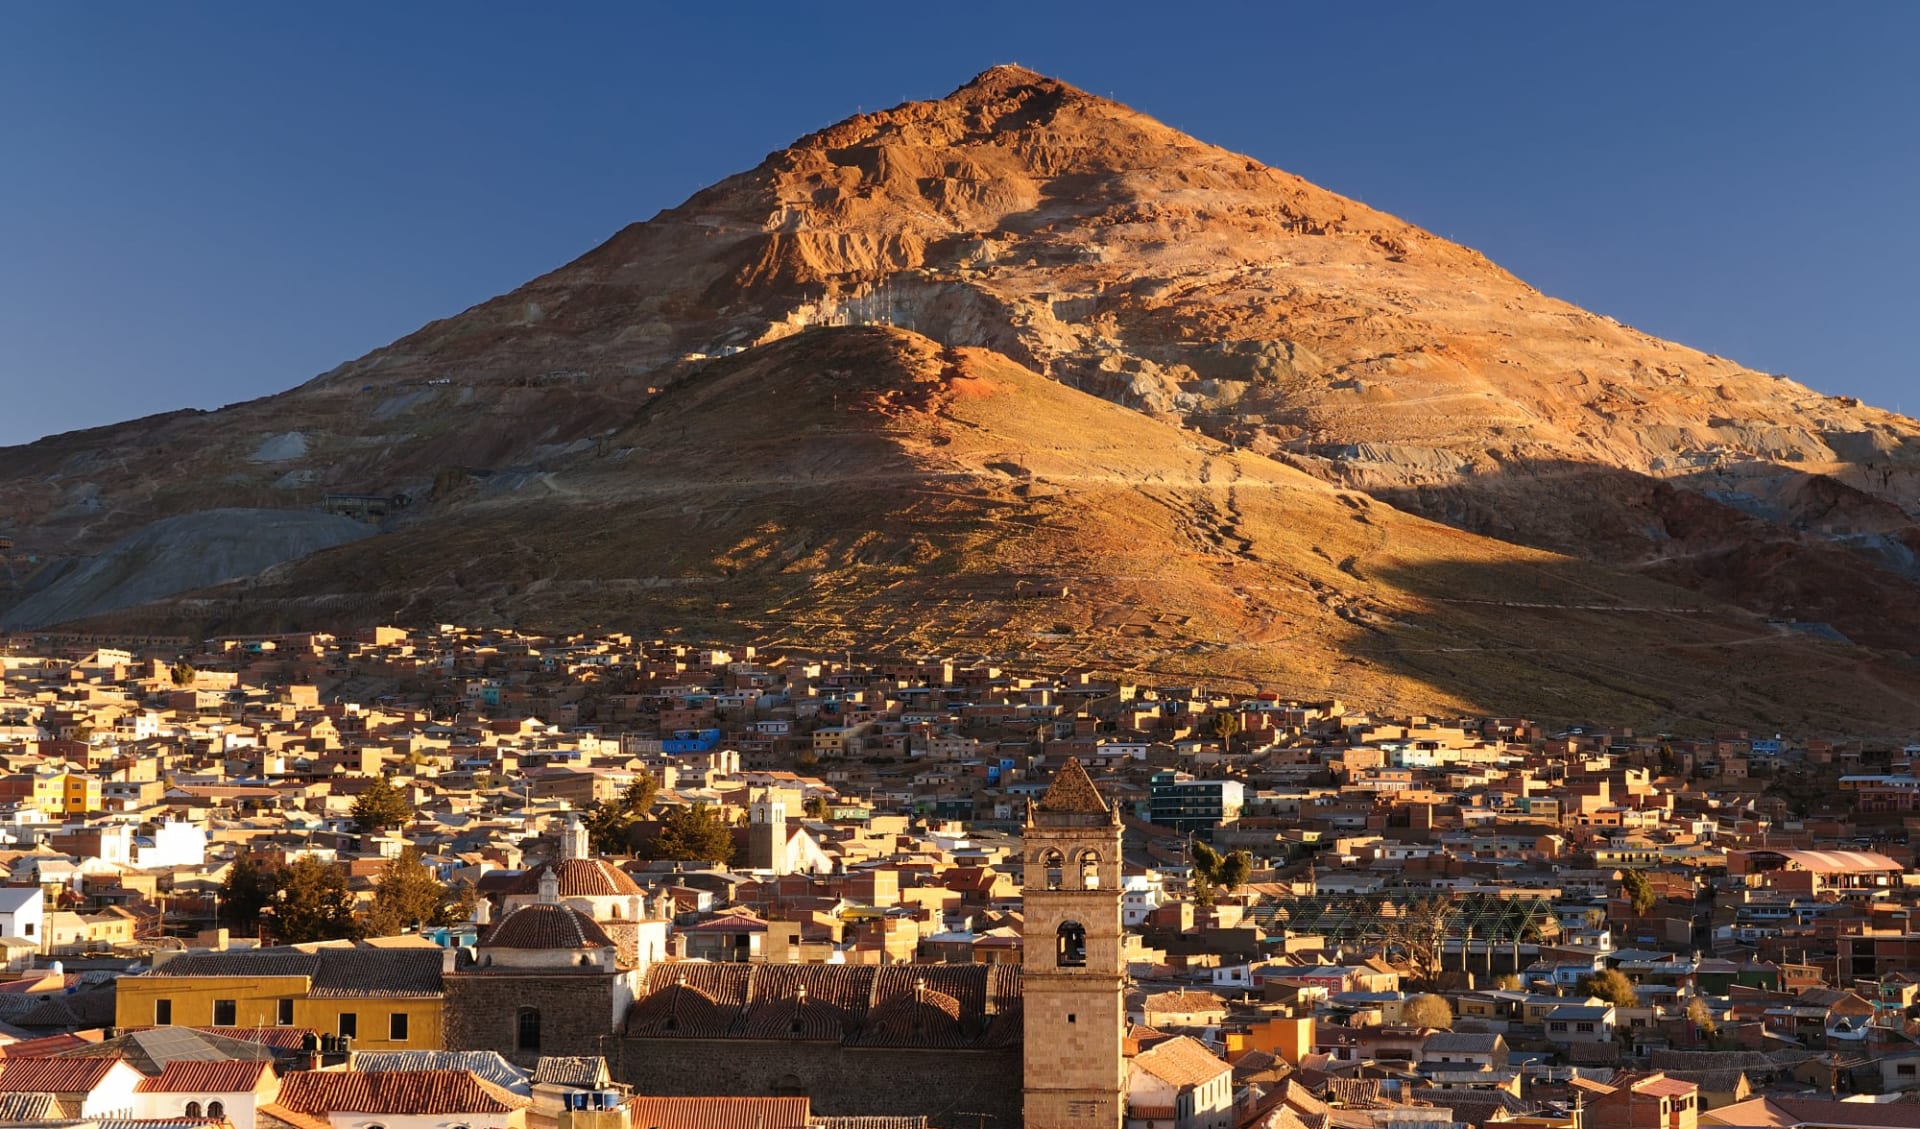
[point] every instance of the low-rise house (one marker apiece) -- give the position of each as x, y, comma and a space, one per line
1646, 1101
1164, 1010
1179, 1084
1580, 1023
81, 1087
384, 999
233, 1091
1458, 1050
399, 1099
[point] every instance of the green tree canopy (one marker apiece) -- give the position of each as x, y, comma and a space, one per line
1428, 1010
381, 807
1612, 986
1213, 870
248, 888
182, 673
313, 903
1639, 891
814, 807
610, 825
693, 834
410, 897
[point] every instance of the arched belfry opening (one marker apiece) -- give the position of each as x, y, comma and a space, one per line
1071, 949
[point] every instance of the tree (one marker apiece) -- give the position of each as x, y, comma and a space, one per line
610, 825
248, 888
815, 807
380, 807
313, 903
693, 834
410, 897
1226, 724
1428, 1010
1701, 1016
182, 673
1511, 982
1417, 931
1611, 986
1212, 870
1639, 891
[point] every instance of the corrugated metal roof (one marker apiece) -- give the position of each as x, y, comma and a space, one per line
488, 1066
1840, 861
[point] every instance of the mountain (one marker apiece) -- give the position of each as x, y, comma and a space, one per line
688, 425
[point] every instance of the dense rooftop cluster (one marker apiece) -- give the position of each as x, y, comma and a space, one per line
1332, 916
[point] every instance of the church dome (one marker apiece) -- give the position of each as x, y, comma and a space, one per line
545, 927
581, 878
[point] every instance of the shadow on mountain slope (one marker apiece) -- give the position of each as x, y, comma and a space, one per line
1783, 544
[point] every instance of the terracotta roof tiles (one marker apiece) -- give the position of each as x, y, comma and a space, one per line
719, 1113
395, 1092
545, 927
1181, 1062
54, 1075
182, 1075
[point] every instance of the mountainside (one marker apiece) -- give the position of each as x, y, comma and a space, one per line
526, 458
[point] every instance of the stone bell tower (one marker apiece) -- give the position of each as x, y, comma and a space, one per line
1073, 974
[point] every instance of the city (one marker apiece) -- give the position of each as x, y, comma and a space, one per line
515, 868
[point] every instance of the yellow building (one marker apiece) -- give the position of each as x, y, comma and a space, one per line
79, 794
385, 999
1286, 1039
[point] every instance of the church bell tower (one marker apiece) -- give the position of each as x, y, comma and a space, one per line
1073, 973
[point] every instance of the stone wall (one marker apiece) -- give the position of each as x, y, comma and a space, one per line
576, 1011
952, 1088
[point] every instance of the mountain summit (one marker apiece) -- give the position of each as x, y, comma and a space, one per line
1108, 268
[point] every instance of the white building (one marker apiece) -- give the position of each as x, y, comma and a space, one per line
23, 913
1179, 1084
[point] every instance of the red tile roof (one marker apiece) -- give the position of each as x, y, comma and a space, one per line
395, 1092
1181, 1062
545, 927
581, 878
719, 1113
45, 1047
182, 1076
54, 1075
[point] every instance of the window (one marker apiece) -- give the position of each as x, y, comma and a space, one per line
526, 1036
349, 1024
193, 1109
397, 1027
216, 1109
162, 1013
26, 928
1053, 864
1072, 951
1090, 870
1584, 1028
225, 1014
284, 1015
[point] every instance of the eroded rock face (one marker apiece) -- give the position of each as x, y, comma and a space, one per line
1099, 248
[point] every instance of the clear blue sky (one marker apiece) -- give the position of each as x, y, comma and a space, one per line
202, 203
